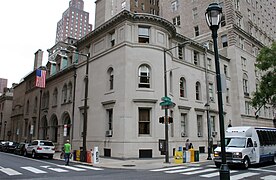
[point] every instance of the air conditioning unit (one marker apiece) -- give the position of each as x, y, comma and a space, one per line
199, 134
183, 134
212, 99
214, 133
109, 133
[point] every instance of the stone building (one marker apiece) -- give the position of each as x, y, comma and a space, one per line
246, 27
5, 113
126, 84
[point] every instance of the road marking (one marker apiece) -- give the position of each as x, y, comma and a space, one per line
170, 168
264, 170
58, 170
269, 177
34, 170
198, 172
10, 171
89, 167
182, 170
244, 175
72, 168
214, 174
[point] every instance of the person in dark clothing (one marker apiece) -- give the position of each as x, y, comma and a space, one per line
191, 146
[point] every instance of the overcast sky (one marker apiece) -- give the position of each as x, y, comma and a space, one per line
26, 26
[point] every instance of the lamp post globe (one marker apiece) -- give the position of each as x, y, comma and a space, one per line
213, 17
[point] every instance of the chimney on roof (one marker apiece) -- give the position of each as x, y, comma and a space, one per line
38, 59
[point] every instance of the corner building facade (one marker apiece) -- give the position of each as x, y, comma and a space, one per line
126, 84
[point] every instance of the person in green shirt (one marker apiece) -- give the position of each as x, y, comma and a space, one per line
67, 152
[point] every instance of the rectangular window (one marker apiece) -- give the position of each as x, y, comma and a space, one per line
199, 126
209, 64
184, 125
241, 42
227, 96
144, 121
196, 58
211, 92
213, 123
112, 40
237, 4
224, 41
174, 6
196, 28
243, 63
176, 21
195, 13
143, 34
110, 118
225, 69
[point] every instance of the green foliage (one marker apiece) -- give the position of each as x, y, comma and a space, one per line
266, 92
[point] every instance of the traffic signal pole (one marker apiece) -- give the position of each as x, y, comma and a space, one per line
166, 112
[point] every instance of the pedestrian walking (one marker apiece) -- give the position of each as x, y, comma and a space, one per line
67, 151
191, 146
187, 144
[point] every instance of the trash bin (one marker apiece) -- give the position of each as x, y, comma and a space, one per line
178, 158
192, 158
196, 152
187, 156
88, 157
77, 155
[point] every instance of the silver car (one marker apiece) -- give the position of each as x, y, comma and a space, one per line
39, 148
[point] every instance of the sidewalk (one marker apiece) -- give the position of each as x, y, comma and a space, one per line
151, 163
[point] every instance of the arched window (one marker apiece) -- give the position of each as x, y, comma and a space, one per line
111, 78
245, 84
198, 91
144, 76
182, 87
64, 94
70, 91
55, 95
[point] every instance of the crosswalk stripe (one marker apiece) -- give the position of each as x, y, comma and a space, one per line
182, 170
198, 172
170, 168
58, 169
72, 168
10, 171
89, 167
34, 170
214, 174
243, 175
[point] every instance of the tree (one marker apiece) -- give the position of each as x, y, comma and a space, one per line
266, 90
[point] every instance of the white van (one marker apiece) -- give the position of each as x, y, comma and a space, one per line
248, 145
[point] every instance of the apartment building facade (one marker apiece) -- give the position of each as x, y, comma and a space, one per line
246, 27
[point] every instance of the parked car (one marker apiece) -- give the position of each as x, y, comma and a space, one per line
1, 145
21, 148
39, 148
9, 146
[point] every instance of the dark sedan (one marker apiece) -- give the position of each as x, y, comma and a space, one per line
20, 148
9, 146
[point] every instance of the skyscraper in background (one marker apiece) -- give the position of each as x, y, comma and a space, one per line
74, 22
3, 84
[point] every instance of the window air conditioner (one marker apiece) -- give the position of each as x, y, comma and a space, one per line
212, 99
183, 134
109, 133
199, 134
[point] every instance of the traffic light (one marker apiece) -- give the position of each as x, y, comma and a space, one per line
161, 120
170, 120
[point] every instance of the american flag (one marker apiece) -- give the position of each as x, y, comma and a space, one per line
40, 78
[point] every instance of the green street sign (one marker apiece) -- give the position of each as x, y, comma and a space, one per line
166, 103
166, 98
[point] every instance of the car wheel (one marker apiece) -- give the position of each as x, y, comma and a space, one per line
274, 159
33, 154
246, 163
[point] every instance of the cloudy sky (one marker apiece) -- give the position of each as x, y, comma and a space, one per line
26, 26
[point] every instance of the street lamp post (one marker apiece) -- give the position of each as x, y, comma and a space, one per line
213, 17
166, 109
84, 133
